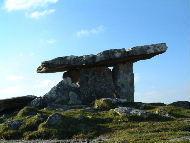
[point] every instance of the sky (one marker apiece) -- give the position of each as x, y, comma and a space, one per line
32, 31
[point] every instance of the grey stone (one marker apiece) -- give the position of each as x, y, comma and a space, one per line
123, 79
59, 94
162, 112
181, 139
55, 119
74, 98
15, 124
131, 111
38, 102
96, 83
106, 58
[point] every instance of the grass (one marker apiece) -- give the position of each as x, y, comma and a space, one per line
103, 123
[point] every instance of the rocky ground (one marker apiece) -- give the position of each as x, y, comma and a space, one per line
107, 120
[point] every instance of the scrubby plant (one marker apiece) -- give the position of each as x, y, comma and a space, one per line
103, 104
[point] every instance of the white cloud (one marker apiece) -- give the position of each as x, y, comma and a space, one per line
12, 90
12, 5
38, 14
15, 78
51, 41
86, 32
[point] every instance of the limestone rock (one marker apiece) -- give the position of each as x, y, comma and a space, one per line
74, 98
105, 59
55, 119
123, 79
16, 103
59, 94
15, 124
131, 111
96, 83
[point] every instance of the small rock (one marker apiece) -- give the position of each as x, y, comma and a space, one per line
162, 112
6, 116
15, 124
180, 139
55, 119
186, 121
131, 111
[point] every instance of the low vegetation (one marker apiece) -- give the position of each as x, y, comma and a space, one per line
168, 123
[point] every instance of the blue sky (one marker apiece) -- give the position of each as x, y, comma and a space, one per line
32, 31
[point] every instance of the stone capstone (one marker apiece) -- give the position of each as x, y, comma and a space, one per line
104, 59
96, 83
16, 103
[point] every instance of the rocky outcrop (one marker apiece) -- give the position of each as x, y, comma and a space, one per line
16, 103
55, 119
15, 124
65, 92
106, 58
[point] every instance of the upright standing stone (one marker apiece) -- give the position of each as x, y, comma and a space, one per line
96, 83
123, 79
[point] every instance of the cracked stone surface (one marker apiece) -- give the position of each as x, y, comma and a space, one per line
105, 59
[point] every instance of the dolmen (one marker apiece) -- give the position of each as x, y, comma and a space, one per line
89, 77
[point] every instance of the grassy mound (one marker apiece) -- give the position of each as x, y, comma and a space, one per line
101, 123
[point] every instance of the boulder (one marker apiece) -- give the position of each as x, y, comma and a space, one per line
14, 124
131, 111
64, 92
104, 59
55, 119
16, 103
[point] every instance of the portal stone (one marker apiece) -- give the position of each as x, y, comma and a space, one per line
123, 79
96, 83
